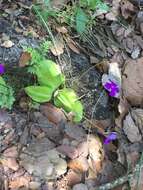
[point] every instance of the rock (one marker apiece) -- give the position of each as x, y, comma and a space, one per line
80, 186
50, 164
7, 44
33, 185
75, 132
135, 53
61, 167
5, 37
69, 151
51, 130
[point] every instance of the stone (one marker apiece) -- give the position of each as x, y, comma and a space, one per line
80, 186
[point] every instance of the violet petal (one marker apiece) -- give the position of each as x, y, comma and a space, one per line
107, 86
2, 69
110, 137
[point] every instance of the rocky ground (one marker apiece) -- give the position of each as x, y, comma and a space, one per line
39, 148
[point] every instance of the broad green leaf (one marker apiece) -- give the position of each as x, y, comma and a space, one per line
39, 93
78, 111
68, 100
81, 21
49, 74
2, 81
92, 3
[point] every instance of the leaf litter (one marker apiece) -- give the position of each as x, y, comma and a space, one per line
75, 156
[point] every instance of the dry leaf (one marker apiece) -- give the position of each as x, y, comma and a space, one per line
137, 115
11, 152
96, 153
53, 114
58, 46
62, 30
19, 182
133, 81
24, 59
94, 60
79, 164
10, 163
131, 130
114, 11
73, 177
123, 108
72, 45
58, 4
127, 8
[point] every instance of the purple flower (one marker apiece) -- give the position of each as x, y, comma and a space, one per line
112, 136
112, 87
2, 69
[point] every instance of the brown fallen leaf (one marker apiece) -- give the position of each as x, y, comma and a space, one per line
73, 177
58, 4
127, 9
62, 29
137, 115
22, 181
10, 163
113, 13
11, 152
123, 108
24, 59
131, 129
83, 149
96, 153
53, 114
79, 164
72, 45
58, 46
132, 83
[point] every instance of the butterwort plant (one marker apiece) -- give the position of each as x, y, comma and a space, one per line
2, 69
51, 86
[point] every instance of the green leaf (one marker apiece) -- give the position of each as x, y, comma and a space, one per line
49, 74
2, 81
78, 111
81, 21
103, 7
39, 93
68, 100
6, 95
